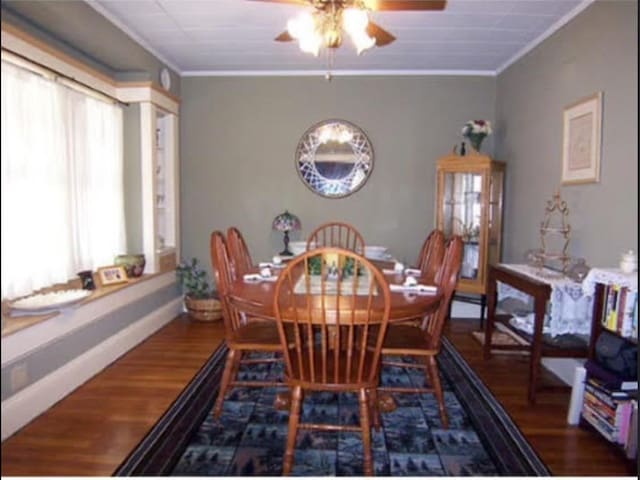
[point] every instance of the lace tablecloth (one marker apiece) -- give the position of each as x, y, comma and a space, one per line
569, 309
609, 276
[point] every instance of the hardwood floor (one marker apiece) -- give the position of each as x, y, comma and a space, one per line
92, 431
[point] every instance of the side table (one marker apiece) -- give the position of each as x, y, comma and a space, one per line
541, 293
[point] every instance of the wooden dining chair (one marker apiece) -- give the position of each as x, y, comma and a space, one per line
431, 254
241, 336
422, 342
336, 234
238, 252
332, 332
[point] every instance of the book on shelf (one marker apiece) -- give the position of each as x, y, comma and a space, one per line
631, 447
600, 425
619, 311
608, 380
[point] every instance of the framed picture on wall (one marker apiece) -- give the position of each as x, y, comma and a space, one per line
582, 129
112, 275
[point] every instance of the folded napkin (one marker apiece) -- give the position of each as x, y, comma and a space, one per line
271, 265
414, 272
419, 289
256, 277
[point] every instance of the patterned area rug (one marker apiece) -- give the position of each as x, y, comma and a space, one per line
503, 336
250, 437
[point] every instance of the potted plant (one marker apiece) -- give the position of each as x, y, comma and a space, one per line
200, 299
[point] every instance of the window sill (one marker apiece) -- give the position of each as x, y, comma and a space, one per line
14, 323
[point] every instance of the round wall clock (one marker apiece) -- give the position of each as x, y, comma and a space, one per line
165, 78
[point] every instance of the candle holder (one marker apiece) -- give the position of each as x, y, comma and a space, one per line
286, 222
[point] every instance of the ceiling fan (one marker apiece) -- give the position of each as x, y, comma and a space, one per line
323, 25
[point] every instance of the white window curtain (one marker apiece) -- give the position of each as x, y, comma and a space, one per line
62, 182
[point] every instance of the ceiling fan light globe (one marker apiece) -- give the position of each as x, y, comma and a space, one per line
355, 21
300, 26
310, 43
363, 42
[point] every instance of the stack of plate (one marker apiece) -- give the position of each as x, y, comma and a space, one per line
376, 252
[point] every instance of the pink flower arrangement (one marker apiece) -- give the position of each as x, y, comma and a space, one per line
475, 131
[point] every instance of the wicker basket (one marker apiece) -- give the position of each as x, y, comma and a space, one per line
203, 309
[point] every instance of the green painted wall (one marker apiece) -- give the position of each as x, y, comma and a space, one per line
596, 51
239, 135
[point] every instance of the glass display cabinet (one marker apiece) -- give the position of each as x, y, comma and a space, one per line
469, 204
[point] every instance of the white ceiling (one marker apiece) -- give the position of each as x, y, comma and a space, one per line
235, 37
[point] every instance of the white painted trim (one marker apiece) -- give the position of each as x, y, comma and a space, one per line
23, 342
20, 46
134, 36
563, 368
546, 34
335, 73
24, 406
148, 162
137, 93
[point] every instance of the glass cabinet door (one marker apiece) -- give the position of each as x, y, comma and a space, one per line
462, 215
495, 217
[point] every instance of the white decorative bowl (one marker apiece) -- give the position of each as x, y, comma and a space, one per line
375, 252
298, 247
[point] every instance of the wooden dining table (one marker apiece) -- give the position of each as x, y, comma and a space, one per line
256, 298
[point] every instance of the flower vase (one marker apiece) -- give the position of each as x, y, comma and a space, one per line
475, 139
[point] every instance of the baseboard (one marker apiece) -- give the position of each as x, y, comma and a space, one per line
24, 406
563, 368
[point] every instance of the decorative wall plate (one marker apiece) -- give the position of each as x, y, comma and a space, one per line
334, 158
165, 78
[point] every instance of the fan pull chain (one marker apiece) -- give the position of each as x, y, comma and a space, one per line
330, 61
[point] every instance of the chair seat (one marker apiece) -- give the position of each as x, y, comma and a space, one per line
408, 340
263, 334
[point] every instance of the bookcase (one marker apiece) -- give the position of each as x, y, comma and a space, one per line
610, 403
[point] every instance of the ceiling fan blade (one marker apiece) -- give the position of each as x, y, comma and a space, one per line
399, 5
380, 34
284, 37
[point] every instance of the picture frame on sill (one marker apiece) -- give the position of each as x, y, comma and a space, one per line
581, 141
112, 275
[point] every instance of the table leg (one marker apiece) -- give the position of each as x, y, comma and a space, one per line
483, 306
540, 306
491, 314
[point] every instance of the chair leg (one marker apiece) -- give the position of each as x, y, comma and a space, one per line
294, 419
434, 377
233, 357
373, 406
366, 432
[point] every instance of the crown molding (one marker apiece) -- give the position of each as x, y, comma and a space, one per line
336, 73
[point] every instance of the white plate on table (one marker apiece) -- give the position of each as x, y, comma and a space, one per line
257, 278
377, 252
44, 302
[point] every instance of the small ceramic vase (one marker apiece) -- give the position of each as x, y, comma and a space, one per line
133, 264
629, 262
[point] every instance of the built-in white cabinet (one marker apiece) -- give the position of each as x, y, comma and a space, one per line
160, 180
159, 154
